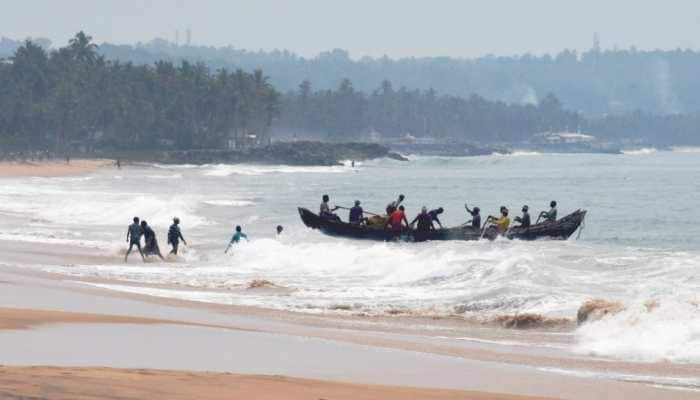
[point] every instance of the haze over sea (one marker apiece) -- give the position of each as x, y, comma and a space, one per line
639, 244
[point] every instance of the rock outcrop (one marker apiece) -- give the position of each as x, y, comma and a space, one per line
290, 153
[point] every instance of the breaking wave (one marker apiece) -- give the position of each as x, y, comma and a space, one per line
223, 170
640, 152
668, 331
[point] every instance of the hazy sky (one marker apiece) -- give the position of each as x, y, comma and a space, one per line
367, 27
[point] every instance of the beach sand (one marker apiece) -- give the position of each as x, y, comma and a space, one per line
107, 383
51, 168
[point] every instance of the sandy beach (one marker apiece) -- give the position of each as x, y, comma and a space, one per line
51, 168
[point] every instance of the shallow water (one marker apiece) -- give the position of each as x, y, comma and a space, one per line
639, 244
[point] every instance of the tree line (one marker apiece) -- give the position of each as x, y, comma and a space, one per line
74, 97
392, 113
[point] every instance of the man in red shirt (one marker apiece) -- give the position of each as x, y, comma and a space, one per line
397, 221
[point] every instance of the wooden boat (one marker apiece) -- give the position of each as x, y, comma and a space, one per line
561, 229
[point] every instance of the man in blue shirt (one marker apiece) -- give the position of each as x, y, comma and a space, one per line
356, 214
236, 237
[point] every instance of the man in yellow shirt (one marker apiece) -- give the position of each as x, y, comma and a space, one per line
502, 223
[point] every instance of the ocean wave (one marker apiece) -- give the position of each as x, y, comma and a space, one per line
229, 203
640, 152
224, 170
91, 208
685, 149
173, 176
668, 331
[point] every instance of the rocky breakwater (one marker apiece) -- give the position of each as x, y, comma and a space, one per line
289, 153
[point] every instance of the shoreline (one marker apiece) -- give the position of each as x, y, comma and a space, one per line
254, 338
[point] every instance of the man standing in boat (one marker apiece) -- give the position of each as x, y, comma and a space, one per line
425, 225
434, 215
391, 207
397, 222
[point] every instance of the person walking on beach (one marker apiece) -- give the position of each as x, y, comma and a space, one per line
133, 237
175, 235
236, 238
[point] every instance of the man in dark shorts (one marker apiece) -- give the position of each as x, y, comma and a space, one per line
174, 236
133, 237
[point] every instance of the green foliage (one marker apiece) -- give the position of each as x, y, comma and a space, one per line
345, 114
73, 97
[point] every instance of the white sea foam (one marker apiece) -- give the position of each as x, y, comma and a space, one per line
640, 152
98, 208
667, 332
685, 149
525, 153
223, 170
229, 203
173, 176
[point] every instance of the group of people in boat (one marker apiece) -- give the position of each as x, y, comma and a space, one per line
395, 221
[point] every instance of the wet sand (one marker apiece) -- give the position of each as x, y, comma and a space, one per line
51, 168
108, 383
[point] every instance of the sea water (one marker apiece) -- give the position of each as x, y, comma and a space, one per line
639, 245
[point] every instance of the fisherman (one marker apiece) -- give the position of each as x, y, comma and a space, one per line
476, 217
425, 225
174, 236
133, 237
434, 215
502, 223
280, 228
397, 222
236, 238
356, 216
391, 207
325, 211
149, 236
525, 219
550, 215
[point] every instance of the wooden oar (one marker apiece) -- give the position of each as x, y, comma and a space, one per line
365, 212
483, 229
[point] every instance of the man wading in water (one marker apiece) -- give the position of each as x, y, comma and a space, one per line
174, 236
133, 237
